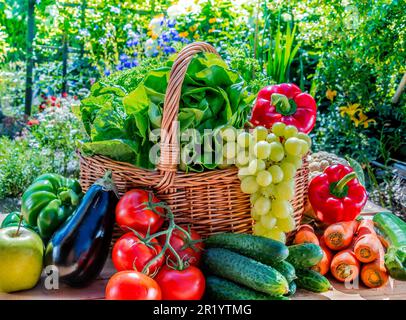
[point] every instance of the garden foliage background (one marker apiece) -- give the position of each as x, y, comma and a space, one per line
349, 54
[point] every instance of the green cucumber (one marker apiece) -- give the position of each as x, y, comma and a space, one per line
287, 269
312, 281
393, 229
258, 248
246, 271
304, 255
292, 289
222, 289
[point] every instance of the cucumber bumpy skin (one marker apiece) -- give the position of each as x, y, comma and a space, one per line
246, 271
222, 289
312, 281
304, 255
287, 270
262, 249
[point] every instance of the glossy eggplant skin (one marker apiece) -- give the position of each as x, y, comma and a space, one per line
79, 249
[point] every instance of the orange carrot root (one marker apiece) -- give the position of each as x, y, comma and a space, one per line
339, 236
345, 266
306, 234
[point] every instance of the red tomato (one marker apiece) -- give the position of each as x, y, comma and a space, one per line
187, 284
130, 253
132, 285
192, 254
131, 212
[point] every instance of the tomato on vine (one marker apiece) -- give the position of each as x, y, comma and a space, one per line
189, 248
132, 285
185, 284
136, 211
132, 252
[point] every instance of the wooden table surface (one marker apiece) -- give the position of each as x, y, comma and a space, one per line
393, 290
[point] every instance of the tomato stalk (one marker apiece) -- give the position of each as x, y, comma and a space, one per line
168, 233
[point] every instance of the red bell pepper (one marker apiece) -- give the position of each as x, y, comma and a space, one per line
337, 195
284, 103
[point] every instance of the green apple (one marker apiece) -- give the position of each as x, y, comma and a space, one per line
21, 256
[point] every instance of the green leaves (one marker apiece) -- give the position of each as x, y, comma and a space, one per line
118, 120
357, 169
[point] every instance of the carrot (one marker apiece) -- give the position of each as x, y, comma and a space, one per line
345, 266
306, 234
366, 227
339, 236
367, 244
374, 274
324, 265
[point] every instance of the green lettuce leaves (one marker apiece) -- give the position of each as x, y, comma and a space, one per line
120, 113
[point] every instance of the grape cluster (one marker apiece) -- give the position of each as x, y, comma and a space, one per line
267, 163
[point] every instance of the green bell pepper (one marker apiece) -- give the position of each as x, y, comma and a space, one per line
13, 220
49, 201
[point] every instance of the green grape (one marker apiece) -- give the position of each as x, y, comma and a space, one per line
262, 149
284, 191
278, 128
230, 150
255, 215
289, 170
224, 165
228, 134
244, 139
254, 197
297, 161
262, 205
242, 173
242, 159
260, 133
268, 221
277, 152
304, 147
276, 234
293, 146
255, 166
268, 191
276, 172
287, 224
271, 137
264, 178
290, 131
281, 208
259, 230
249, 185
304, 137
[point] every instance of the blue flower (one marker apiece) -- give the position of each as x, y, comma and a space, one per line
169, 50
135, 54
173, 32
134, 63
127, 64
171, 23
165, 37
107, 72
123, 57
155, 53
119, 67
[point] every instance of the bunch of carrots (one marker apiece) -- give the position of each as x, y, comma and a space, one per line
351, 249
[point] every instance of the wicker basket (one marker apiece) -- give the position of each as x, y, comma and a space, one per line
212, 201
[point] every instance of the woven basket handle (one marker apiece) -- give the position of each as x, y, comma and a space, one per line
170, 148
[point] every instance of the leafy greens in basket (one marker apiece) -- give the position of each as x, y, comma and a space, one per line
121, 111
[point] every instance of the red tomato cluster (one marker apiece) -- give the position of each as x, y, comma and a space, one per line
164, 278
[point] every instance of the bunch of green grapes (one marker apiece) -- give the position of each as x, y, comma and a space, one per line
267, 162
